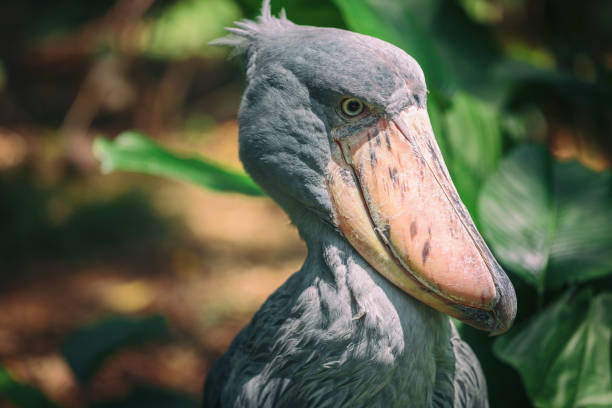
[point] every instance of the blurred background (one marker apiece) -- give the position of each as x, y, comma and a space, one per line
121, 289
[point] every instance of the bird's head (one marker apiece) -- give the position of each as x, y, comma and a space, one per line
334, 126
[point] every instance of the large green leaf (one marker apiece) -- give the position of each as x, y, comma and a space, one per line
469, 133
88, 346
563, 353
546, 221
517, 214
582, 245
473, 133
132, 151
21, 395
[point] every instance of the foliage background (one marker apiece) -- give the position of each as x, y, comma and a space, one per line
122, 289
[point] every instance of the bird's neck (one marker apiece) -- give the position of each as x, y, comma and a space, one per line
332, 261
360, 325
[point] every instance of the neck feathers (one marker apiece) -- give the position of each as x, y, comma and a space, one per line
338, 334
359, 337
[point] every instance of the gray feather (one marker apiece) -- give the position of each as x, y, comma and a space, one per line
469, 383
305, 348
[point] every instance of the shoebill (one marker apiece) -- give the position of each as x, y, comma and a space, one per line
334, 127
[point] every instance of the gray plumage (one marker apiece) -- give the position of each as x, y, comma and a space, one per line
337, 333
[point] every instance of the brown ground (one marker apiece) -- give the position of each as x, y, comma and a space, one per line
238, 250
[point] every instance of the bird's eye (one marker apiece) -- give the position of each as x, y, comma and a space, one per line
352, 107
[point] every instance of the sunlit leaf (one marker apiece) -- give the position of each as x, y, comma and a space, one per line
87, 347
184, 28
469, 133
474, 136
21, 395
132, 151
563, 353
546, 221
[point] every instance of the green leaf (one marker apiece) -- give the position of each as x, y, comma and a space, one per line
517, 214
582, 244
87, 347
184, 28
563, 353
548, 222
435, 109
467, 47
469, 133
132, 151
21, 395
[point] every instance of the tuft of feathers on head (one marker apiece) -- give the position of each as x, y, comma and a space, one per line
247, 33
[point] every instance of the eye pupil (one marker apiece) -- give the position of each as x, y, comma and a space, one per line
352, 107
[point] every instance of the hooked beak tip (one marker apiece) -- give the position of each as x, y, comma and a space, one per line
505, 309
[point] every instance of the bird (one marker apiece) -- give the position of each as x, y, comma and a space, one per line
333, 126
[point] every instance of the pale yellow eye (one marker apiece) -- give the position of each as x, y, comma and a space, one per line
352, 107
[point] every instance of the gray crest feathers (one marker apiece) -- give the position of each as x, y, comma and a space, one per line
247, 33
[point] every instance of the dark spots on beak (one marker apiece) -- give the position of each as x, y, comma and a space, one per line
452, 227
426, 250
369, 135
413, 229
372, 157
377, 140
387, 141
393, 176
